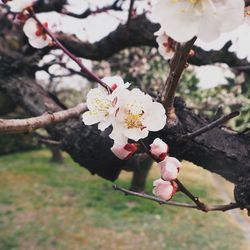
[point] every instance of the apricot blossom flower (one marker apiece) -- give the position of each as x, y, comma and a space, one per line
136, 116
207, 19
102, 106
166, 45
38, 38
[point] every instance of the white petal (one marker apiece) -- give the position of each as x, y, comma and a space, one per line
232, 15
177, 19
19, 5
110, 80
209, 29
30, 28
39, 42
156, 118
103, 125
97, 98
90, 118
136, 133
118, 137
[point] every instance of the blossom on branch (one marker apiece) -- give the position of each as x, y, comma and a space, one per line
124, 152
38, 38
19, 5
136, 116
102, 106
164, 189
207, 19
166, 45
159, 149
170, 168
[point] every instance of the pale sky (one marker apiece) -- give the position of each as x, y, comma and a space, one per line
95, 27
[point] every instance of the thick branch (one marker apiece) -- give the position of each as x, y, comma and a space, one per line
141, 33
28, 125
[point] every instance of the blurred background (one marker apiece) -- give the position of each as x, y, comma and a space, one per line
48, 202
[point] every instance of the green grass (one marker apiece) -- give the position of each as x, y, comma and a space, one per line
48, 206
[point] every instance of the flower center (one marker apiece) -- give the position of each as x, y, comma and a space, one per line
102, 105
247, 12
134, 120
40, 30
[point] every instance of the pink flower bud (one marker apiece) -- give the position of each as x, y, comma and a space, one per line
170, 168
159, 149
164, 189
124, 152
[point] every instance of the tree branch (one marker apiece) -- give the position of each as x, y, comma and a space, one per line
209, 208
210, 126
89, 12
130, 12
28, 125
177, 66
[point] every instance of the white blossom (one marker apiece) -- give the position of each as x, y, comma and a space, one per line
206, 19
36, 34
19, 5
102, 106
136, 116
166, 45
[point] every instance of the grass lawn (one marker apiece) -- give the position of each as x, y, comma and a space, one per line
47, 206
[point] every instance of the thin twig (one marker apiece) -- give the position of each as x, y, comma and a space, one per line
68, 53
130, 12
50, 142
12, 126
195, 199
210, 126
89, 12
210, 208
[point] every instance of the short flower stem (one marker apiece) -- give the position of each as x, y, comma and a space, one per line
68, 53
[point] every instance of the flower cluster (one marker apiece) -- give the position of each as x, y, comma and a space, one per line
165, 187
131, 113
206, 19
